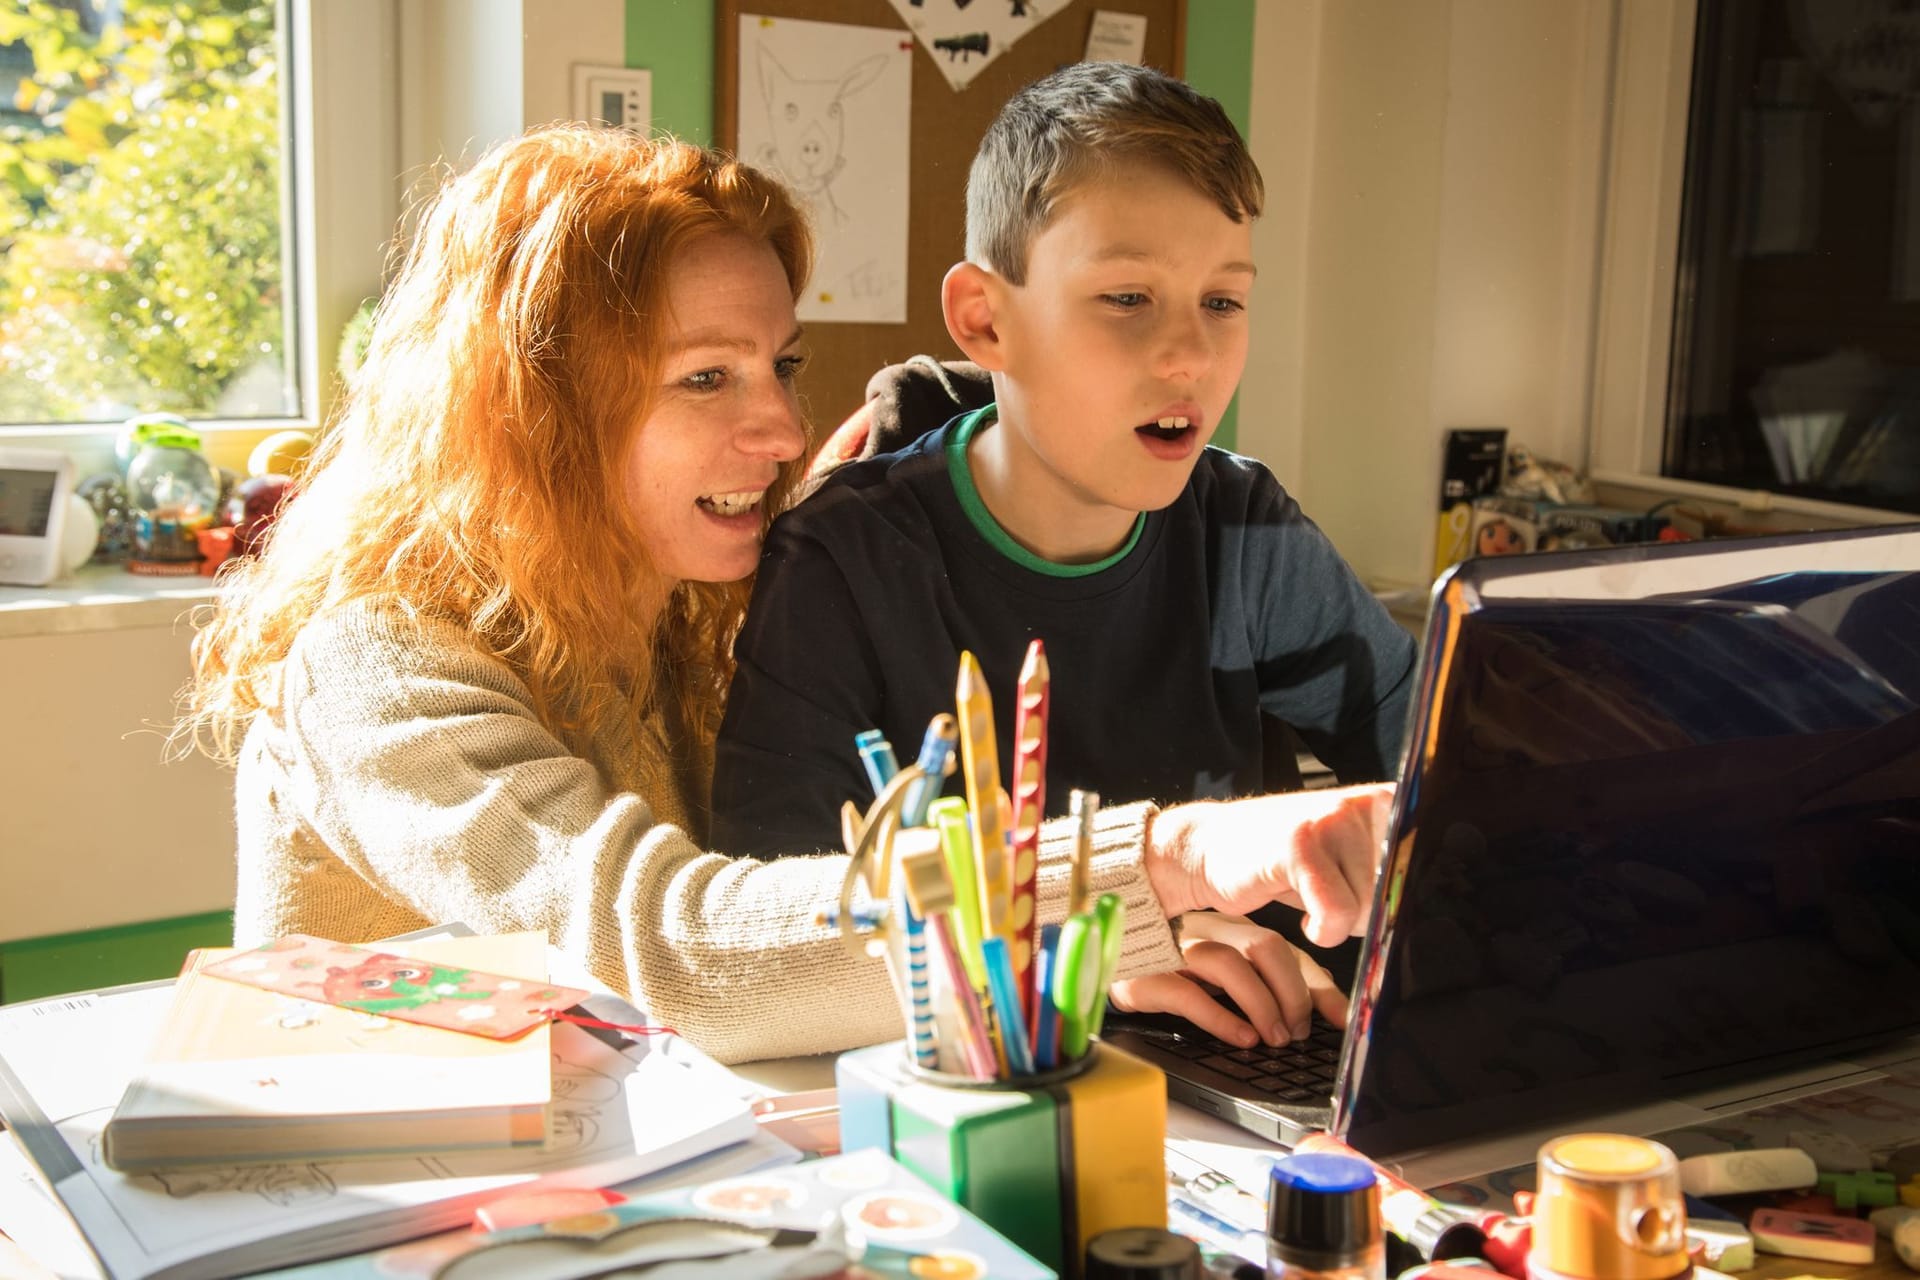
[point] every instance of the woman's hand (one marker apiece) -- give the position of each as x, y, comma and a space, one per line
1276, 986
1315, 850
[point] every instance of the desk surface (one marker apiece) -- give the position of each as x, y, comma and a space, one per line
1881, 1110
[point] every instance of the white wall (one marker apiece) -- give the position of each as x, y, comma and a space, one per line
1428, 256
97, 829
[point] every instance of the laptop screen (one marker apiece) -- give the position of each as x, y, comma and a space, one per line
1658, 828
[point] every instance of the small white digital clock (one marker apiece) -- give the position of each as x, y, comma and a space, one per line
34, 484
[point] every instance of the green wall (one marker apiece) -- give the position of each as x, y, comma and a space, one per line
674, 38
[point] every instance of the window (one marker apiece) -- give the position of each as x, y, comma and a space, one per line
146, 245
1796, 341
1758, 318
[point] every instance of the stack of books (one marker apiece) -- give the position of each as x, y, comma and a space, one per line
206, 1128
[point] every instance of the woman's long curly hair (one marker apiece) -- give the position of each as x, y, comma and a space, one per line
477, 471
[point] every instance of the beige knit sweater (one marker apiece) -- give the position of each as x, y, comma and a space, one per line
404, 780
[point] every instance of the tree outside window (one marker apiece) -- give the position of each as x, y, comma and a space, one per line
141, 257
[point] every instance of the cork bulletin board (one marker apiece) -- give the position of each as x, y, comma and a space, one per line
946, 126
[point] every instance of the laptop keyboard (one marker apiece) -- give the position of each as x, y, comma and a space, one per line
1298, 1072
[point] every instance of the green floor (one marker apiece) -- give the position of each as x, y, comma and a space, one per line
51, 966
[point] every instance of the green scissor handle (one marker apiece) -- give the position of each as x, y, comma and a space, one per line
1076, 983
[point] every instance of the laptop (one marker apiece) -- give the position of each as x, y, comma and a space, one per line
1657, 830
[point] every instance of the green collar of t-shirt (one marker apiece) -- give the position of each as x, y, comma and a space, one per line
997, 537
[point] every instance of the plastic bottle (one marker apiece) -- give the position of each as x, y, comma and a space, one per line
1323, 1220
175, 493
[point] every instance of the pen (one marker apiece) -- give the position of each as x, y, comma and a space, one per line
979, 758
1225, 1197
863, 917
1029, 803
936, 761
1191, 1219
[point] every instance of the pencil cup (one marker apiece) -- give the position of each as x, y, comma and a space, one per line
1048, 1160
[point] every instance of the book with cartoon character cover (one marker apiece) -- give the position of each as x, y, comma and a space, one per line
240, 1074
621, 1109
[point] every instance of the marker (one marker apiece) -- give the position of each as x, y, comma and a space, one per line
979, 758
876, 753
1046, 1027
1029, 803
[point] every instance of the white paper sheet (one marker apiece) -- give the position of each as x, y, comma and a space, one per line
1117, 37
965, 36
828, 107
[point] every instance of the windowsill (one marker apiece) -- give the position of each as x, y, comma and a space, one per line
100, 598
225, 443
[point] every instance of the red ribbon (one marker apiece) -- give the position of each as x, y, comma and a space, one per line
626, 1028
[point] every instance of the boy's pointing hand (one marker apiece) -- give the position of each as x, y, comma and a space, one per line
1315, 850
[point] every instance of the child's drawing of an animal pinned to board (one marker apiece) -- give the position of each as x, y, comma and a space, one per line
808, 123
965, 46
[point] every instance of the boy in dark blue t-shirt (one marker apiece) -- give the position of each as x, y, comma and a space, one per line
1195, 621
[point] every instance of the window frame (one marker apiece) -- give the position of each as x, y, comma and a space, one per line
340, 90
1635, 297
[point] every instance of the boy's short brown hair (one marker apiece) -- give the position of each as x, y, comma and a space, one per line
1069, 128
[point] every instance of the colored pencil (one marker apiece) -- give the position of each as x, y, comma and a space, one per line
930, 894
1029, 806
980, 760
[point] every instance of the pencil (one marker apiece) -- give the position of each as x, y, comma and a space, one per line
1083, 805
930, 894
980, 760
949, 815
1029, 803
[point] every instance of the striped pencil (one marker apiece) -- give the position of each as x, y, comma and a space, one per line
980, 760
1029, 804
926, 1050
930, 895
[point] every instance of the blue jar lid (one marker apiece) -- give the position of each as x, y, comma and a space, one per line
1323, 1210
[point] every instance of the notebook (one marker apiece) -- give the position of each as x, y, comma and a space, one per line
1657, 832
241, 1074
621, 1110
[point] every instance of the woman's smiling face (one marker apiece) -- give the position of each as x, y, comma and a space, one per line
725, 420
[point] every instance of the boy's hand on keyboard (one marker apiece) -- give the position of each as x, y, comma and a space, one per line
1275, 986
1316, 850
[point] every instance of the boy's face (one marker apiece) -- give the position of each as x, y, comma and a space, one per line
1133, 315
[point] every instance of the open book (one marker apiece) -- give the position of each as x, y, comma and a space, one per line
617, 1114
239, 1074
